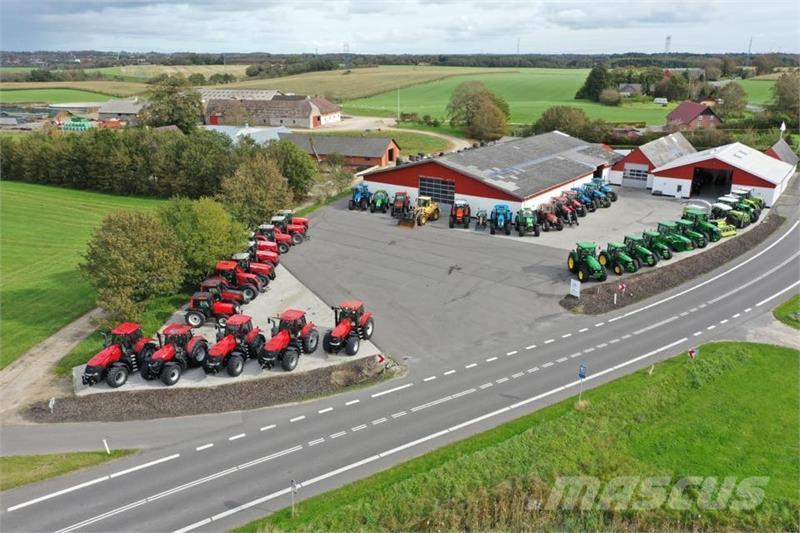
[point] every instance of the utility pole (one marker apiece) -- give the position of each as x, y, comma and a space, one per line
398, 103
668, 44
749, 50
518, 58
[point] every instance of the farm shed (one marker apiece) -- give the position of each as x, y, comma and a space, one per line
522, 173
357, 151
691, 115
781, 150
294, 111
715, 171
124, 110
634, 170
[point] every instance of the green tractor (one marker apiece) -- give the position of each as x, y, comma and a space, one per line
672, 237
379, 202
616, 257
653, 241
640, 253
724, 212
685, 228
737, 204
583, 262
714, 230
526, 222
746, 194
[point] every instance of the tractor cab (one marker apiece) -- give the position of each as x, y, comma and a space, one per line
242, 259
380, 196
280, 222
423, 202
268, 231
401, 199
636, 240
547, 208
352, 309
177, 334
126, 335
202, 301
227, 271
527, 214
694, 215
586, 249
290, 216
667, 227
292, 321
237, 325
460, 203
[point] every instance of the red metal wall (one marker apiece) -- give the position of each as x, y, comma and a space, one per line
739, 177
636, 156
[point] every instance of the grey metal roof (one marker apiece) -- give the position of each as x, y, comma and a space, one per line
346, 146
122, 107
237, 94
668, 148
785, 152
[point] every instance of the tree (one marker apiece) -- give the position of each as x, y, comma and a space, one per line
480, 112
734, 99
132, 257
567, 119
786, 94
206, 233
610, 97
597, 80
489, 123
173, 101
713, 73
255, 192
765, 64
295, 165
465, 101
728, 67
673, 88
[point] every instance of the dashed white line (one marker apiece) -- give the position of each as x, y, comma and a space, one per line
358, 428
566, 335
337, 435
352, 402
602, 345
549, 363
297, 418
518, 375
737, 315
398, 415
685, 313
382, 393
237, 437
701, 306
317, 441
614, 319
532, 370
723, 321
471, 365
574, 355
693, 309
512, 352
265, 428
449, 372
657, 324
709, 328
583, 330
491, 359
462, 393
548, 341
326, 410
429, 378
698, 333
431, 404
531, 347
748, 309
204, 447
501, 380
486, 385
378, 421
626, 336
613, 341
599, 324
561, 359
588, 350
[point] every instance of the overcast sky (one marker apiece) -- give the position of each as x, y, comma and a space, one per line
410, 26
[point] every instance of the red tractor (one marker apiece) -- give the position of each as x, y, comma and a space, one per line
237, 342
270, 233
353, 323
575, 203
236, 278
261, 254
296, 231
291, 336
401, 204
460, 214
179, 350
219, 287
264, 271
125, 352
548, 218
565, 211
206, 305
290, 216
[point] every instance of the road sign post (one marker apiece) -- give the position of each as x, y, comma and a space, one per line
581, 376
294, 491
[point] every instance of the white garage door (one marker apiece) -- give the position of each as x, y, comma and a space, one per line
634, 176
442, 191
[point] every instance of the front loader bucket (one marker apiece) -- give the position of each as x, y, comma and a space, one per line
408, 222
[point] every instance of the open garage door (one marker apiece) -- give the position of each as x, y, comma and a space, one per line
634, 176
442, 191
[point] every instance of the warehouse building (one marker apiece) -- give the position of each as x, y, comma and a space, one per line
715, 171
360, 152
292, 111
634, 170
781, 150
522, 172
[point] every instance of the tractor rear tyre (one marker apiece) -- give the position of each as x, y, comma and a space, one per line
435, 216
667, 255
326, 342
559, 225
297, 238
283, 248
492, 228
249, 292
264, 281
311, 341
351, 205
290, 358
546, 226
507, 228
521, 232
613, 196
235, 365
352, 345
368, 330
703, 242
583, 273
617, 267
199, 353
371, 208
171, 374
144, 356
256, 347
638, 262
602, 258
452, 223
117, 376
603, 275
571, 263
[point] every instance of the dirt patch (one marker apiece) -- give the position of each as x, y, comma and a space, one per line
599, 298
145, 405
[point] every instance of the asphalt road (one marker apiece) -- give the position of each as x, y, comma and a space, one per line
215, 472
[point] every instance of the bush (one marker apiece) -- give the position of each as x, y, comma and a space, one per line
610, 97
255, 192
132, 257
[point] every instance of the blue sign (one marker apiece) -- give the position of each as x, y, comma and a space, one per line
582, 372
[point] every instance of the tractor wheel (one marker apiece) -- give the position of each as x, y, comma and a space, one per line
144, 356
577, 222
371, 208
546, 226
583, 273
466, 222
290, 358
452, 223
351, 205
559, 225
613, 196
638, 262
235, 364
199, 354
171, 374
536, 230
492, 228
283, 248
369, 329
117, 376
667, 255
264, 281
571, 262
256, 347
311, 341
146, 374
603, 259
703, 242
635, 265
617, 268
326, 342
352, 345
272, 275
296, 238
249, 292
521, 231
603, 275
435, 216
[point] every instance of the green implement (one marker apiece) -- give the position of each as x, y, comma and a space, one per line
640, 253
616, 257
685, 228
746, 193
700, 223
731, 216
737, 204
583, 262
653, 241
671, 236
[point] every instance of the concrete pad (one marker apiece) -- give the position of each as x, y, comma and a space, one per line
285, 292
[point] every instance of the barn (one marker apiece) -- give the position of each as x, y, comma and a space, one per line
781, 150
634, 170
691, 115
715, 171
360, 152
522, 172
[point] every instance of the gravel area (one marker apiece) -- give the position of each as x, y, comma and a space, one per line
599, 298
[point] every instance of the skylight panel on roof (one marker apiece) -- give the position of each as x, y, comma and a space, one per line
740, 154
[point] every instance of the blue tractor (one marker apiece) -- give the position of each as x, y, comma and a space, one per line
586, 199
603, 187
361, 197
599, 198
501, 219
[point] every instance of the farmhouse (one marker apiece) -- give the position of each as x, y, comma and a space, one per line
522, 172
357, 151
781, 150
715, 171
634, 170
296, 111
629, 89
691, 115
123, 110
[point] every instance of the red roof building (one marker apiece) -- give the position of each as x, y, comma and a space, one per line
691, 115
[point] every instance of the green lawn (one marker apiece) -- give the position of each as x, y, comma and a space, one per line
50, 96
733, 411
529, 92
758, 91
789, 312
18, 470
44, 233
409, 142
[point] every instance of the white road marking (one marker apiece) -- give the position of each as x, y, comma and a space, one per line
204, 447
685, 313
765, 300
352, 402
378, 421
297, 418
239, 436
561, 360
566, 335
599, 324
724, 321
429, 378
737, 315
697, 333
449, 372
513, 352
531, 347
326, 410
337, 435
602, 345
548, 341
657, 324
401, 387
626, 336
532, 370
610, 320
549, 363
701, 306
574, 355
358, 428
398, 415
693, 310
471, 365
757, 279
463, 393
517, 375
431, 404
140, 467
486, 385
491, 359
582, 330
315, 442
709, 328
501, 380
613, 341
748, 309
588, 350
265, 428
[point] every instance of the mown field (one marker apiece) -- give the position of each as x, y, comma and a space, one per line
409, 142
710, 416
111, 88
50, 96
145, 72
44, 233
529, 92
758, 91
21, 470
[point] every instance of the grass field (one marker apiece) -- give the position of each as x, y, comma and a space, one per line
50, 96
789, 312
758, 91
145, 72
44, 233
711, 416
409, 142
18, 470
528, 92
111, 88
342, 85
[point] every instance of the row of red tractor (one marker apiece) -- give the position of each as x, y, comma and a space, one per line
220, 297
